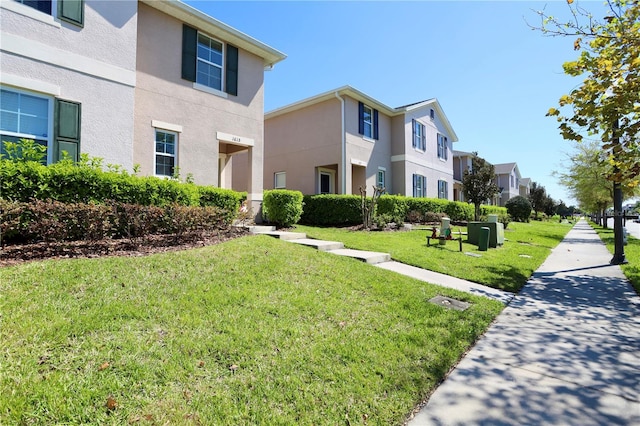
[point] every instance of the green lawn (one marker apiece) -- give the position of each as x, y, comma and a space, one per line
507, 267
631, 250
251, 331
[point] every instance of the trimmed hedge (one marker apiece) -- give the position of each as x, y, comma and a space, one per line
331, 210
487, 210
86, 182
282, 207
341, 210
55, 221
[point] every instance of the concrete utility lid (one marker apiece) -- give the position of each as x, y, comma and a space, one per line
450, 303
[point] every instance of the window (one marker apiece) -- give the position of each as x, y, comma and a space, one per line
23, 116
165, 157
68, 10
209, 63
280, 180
442, 147
419, 186
368, 121
30, 116
381, 181
443, 189
419, 138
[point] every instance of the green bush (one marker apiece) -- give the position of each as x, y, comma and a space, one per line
55, 221
282, 207
331, 210
87, 182
519, 208
459, 211
486, 210
393, 206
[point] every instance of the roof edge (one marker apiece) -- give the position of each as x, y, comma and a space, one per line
201, 20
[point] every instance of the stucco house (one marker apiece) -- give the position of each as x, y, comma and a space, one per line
341, 140
525, 187
462, 161
153, 82
508, 180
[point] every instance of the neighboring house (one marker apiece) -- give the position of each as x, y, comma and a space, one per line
154, 82
343, 140
525, 187
462, 161
508, 181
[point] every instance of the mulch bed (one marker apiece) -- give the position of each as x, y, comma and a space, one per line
19, 253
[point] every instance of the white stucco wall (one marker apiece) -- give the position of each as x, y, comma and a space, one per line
93, 65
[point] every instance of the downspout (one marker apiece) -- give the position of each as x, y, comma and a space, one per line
343, 165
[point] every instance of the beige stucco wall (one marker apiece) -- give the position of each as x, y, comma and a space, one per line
93, 65
362, 151
300, 141
161, 94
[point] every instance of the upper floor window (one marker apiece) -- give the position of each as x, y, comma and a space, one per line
67, 10
419, 137
209, 63
368, 121
443, 189
442, 147
419, 186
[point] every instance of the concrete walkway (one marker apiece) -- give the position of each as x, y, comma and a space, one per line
383, 260
566, 351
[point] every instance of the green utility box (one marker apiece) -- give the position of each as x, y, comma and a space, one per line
496, 236
483, 241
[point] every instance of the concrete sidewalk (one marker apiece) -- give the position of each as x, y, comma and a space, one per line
566, 351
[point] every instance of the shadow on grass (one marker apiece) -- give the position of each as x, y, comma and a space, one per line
505, 277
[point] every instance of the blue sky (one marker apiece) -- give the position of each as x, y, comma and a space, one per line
494, 77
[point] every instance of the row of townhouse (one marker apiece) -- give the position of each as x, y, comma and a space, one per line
152, 82
343, 140
508, 179
160, 84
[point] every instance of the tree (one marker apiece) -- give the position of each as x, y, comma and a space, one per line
519, 208
607, 103
478, 184
537, 197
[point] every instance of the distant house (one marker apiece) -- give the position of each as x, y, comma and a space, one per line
153, 82
525, 186
343, 140
508, 181
462, 161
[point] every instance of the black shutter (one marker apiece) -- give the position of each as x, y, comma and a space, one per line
66, 129
71, 11
361, 118
42, 6
413, 133
232, 70
189, 52
375, 124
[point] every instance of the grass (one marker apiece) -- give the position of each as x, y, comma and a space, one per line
632, 253
251, 331
507, 267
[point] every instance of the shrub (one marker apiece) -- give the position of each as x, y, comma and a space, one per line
431, 217
519, 208
282, 207
458, 211
54, 221
486, 210
331, 210
393, 205
86, 182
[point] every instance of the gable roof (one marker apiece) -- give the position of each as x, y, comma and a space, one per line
504, 168
213, 27
363, 97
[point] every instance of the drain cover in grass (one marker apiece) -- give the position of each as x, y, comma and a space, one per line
450, 303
